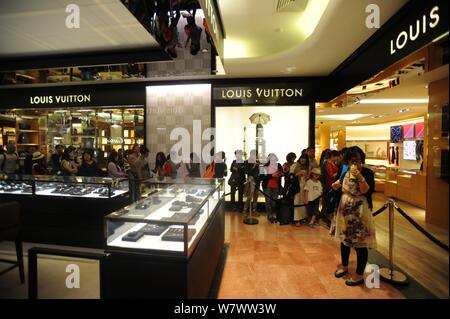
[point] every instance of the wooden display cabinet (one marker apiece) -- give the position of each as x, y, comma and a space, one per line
409, 187
27, 133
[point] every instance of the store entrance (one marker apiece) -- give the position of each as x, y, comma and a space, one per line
267, 129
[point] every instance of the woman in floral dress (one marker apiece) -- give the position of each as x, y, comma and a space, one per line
354, 222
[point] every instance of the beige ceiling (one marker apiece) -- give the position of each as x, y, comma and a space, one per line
280, 48
33, 28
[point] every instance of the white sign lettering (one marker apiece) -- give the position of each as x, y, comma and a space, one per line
414, 30
60, 99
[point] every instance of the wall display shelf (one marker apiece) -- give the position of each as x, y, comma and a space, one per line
373, 149
168, 244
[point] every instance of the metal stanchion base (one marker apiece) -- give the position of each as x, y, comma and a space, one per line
394, 277
250, 221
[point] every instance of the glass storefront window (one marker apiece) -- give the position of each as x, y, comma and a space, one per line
98, 129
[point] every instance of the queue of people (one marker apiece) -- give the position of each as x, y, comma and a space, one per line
337, 189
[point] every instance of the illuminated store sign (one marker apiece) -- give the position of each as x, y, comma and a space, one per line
420, 27
262, 94
60, 99
115, 140
259, 92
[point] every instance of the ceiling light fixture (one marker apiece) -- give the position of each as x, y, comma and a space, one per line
290, 69
342, 117
393, 101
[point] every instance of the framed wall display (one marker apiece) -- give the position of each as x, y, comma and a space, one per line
409, 150
419, 130
396, 134
373, 149
408, 131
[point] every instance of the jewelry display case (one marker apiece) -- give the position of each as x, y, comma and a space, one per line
168, 244
63, 186
20, 185
65, 210
170, 218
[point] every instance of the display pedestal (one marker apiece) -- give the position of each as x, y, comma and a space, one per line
251, 220
156, 274
65, 220
394, 277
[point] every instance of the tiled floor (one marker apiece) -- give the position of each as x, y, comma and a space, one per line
273, 261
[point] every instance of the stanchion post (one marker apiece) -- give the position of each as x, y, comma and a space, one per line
250, 220
389, 274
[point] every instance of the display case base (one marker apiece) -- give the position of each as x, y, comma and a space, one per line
154, 275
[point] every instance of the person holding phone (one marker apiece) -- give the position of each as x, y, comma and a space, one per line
354, 222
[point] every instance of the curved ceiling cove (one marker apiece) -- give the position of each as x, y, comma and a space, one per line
288, 23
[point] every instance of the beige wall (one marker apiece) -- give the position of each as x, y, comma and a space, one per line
437, 188
176, 106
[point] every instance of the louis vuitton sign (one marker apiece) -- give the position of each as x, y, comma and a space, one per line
262, 94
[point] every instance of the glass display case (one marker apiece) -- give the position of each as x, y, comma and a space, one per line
17, 184
64, 186
170, 219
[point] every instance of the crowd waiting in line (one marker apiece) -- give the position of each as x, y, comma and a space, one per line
338, 188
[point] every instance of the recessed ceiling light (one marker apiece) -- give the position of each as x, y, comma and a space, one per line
342, 117
393, 101
377, 116
290, 69
404, 110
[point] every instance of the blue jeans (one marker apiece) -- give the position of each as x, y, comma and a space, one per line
270, 203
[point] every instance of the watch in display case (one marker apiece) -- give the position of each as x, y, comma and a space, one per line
64, 186
133, 236
16, 187
171, 218
80, 186
153, 229
177, 234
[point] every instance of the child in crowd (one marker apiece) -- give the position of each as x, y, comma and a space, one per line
313, 190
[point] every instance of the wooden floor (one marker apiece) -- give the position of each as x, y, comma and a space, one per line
273, 261
418, 256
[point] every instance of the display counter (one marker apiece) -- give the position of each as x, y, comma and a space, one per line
64, 210
405, 185
168, 244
